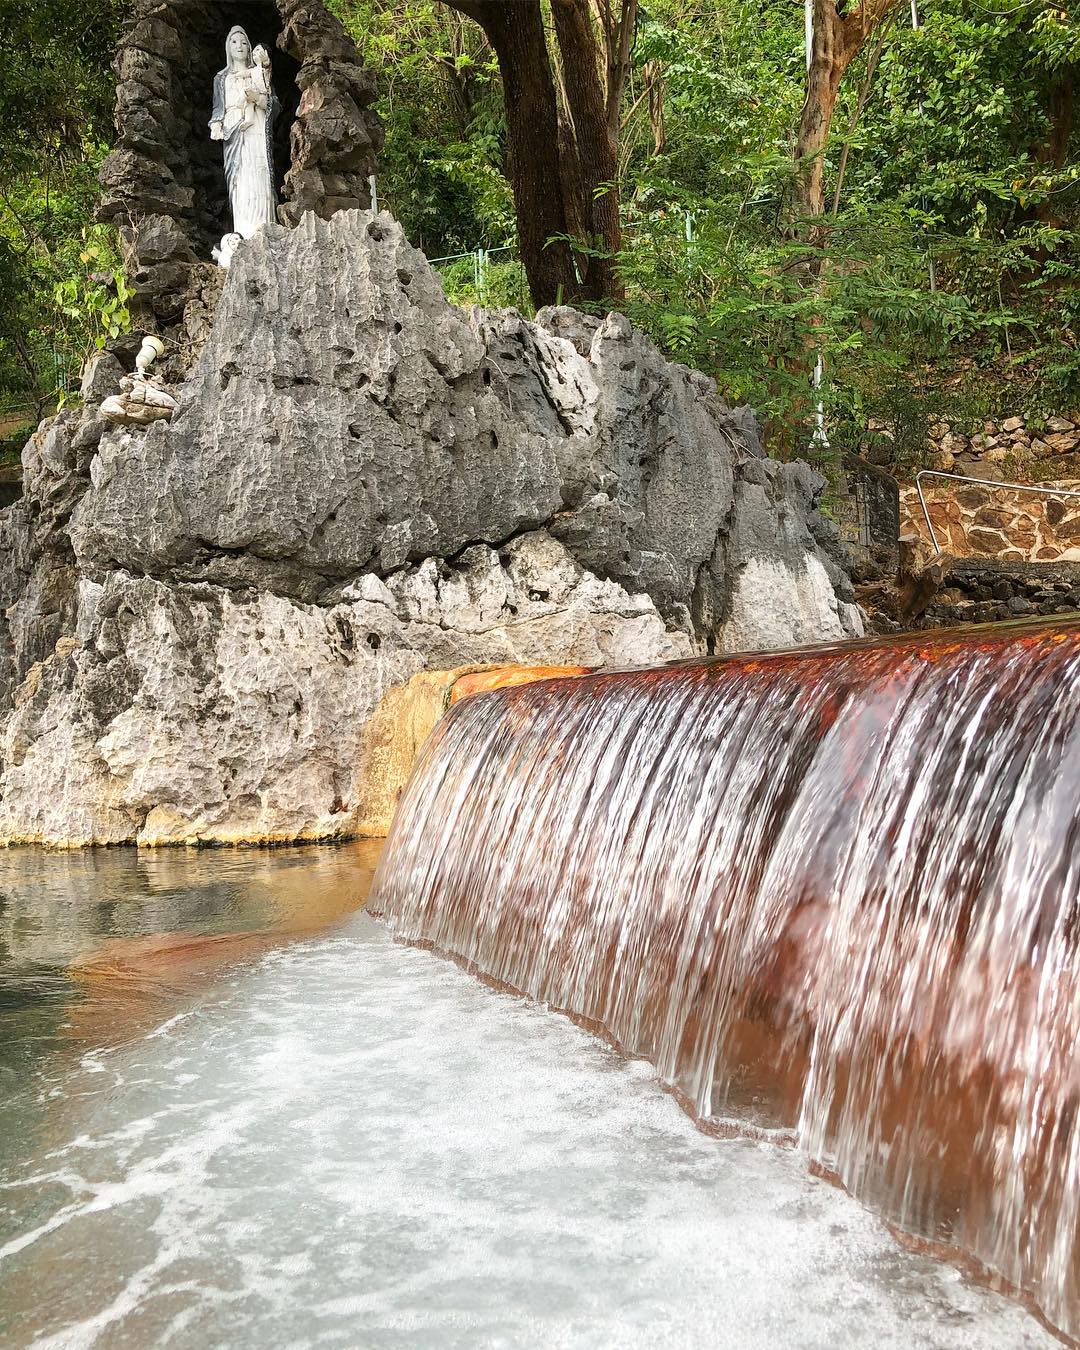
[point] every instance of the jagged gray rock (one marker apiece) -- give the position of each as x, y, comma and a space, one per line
362, 481
184, 712
344, 418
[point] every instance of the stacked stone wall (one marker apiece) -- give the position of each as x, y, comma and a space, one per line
983, 591
1010, 447
975, 520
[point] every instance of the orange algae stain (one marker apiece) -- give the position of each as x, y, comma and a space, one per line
136, 957
505, 677
289, 902
124, 986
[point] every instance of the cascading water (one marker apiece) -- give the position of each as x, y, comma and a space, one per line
832, 892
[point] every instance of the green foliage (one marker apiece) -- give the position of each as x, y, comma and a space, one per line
442, 169
12, 439
1055, 35
52, 309
944, 280
497, 281
55, 84
95, 302
949, 263
952, 248
56, 96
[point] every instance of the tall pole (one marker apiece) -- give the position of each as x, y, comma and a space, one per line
819, 437
808, 28
929, 255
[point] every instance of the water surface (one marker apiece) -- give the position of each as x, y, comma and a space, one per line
312, 1135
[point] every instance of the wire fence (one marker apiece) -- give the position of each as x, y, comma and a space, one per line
485, 276
496, 276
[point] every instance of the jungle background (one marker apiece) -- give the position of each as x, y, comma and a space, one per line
861, 248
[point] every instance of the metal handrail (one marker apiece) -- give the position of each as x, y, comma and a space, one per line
980, 482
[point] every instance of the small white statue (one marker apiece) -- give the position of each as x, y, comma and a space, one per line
243, 118
223, 252
152, 347
142, 398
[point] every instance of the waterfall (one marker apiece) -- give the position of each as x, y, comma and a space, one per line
831, 893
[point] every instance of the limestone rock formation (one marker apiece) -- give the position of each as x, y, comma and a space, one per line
361, 482
180, 712
345, 418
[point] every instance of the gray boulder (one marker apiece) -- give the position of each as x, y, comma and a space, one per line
344, 418
363, 481
181, 713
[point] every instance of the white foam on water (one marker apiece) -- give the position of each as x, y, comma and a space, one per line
166, 1027
357, 1144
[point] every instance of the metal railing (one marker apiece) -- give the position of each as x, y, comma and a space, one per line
979, 482
480, 261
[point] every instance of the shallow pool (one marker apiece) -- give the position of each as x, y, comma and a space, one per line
311, 1135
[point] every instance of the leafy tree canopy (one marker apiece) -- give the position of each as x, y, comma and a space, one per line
940, 272
56, 101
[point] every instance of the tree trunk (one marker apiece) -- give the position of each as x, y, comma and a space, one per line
516, 32
1061, 106
589, 184
829, 59
837, 40
654, 85
460, 82
1052, 152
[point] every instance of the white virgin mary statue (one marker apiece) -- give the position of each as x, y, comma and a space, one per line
243, 117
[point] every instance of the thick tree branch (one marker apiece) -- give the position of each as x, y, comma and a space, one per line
837, 40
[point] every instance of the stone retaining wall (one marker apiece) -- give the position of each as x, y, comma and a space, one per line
1010, 447
986, 591
971, 520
